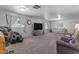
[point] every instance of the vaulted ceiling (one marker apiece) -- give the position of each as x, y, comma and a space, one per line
49, 12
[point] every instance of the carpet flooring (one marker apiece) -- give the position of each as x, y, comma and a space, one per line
44, 44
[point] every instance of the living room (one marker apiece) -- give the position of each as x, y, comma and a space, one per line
39, 29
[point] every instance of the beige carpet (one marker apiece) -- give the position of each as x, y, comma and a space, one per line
44, 44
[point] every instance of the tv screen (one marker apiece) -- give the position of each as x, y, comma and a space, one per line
37, 26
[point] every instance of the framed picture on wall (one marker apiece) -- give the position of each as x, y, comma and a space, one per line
28, 22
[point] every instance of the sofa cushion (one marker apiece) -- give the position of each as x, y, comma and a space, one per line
65, 48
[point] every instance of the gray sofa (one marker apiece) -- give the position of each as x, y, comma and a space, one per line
65, 48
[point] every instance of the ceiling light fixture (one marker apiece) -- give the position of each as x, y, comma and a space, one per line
22, 8
59, 17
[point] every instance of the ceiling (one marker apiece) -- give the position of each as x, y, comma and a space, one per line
49, 12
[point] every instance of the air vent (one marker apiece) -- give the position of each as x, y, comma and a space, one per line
36, 6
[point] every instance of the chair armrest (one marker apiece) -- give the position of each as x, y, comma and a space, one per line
64, 44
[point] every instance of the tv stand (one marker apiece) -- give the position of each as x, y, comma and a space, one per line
38, 32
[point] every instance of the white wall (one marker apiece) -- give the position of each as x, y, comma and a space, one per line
67, 23
13, 16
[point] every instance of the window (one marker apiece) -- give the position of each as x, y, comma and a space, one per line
18, 23
77, 26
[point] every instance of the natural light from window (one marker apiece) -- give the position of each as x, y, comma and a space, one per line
18, 23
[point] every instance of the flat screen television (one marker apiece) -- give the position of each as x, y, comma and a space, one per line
38, 26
